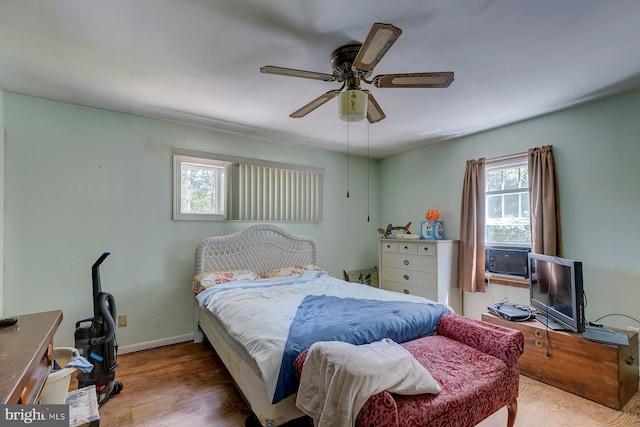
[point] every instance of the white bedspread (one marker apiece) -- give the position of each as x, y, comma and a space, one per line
338, 378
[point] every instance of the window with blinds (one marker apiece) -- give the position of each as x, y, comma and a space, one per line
208, 186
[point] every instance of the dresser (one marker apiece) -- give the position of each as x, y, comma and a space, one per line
26, 356
427, 268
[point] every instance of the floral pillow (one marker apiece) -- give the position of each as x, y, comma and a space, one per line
206, 279
290, 271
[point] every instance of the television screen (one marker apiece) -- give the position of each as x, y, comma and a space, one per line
555, 288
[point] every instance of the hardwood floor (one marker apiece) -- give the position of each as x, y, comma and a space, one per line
186, 384
179, 385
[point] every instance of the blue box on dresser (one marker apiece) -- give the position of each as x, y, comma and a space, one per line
432, 230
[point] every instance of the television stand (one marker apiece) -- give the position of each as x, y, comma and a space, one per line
549, 323
604, 373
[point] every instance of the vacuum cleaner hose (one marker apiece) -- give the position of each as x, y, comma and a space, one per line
107, 308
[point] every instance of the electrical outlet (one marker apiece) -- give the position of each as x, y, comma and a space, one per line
634, 329
122, 320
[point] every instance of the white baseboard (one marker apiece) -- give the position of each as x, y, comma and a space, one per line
124, 349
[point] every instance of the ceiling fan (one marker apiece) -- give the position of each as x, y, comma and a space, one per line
353, 64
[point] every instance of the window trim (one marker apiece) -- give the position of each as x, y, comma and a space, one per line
178, 160
503, 163
496, 278
506, 280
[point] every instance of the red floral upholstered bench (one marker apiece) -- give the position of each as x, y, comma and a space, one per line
475, 363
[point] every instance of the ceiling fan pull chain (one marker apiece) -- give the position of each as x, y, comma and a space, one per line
368, 178
347, 160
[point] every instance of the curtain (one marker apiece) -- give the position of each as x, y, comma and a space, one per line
472, 222
544, 202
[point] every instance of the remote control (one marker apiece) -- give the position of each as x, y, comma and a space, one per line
8, 321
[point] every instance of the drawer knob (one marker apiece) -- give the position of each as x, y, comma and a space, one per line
388, 246
538, 334
426, 248
406, 262
405, 277
406, 291
406, 247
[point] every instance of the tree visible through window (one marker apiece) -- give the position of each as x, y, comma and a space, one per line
200, 188
507, 204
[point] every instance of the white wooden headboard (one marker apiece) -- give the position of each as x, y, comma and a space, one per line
259, 248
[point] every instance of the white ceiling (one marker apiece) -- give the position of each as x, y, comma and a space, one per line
198, 61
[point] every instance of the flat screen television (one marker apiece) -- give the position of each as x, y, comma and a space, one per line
555, 290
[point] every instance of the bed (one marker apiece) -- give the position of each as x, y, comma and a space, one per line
258, 326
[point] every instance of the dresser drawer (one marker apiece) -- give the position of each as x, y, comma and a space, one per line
432, 294
389, 246
410, 262
428, 249
33, 386
418, 279
406, 248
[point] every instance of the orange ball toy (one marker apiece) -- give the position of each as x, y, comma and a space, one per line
432, 214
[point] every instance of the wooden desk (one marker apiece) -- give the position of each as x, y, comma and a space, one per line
26, 356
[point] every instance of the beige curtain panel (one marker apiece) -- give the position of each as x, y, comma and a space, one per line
544, 202
472, 222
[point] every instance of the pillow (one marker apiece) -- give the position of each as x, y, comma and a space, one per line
206, 279
290, 271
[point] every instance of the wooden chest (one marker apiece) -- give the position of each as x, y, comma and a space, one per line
604, 373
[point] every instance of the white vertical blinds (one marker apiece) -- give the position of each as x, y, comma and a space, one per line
265, 193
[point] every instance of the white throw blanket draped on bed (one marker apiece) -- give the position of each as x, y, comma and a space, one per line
338, 378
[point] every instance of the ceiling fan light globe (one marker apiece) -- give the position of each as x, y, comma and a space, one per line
352, 105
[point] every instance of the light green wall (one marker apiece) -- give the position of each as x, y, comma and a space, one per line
81, 181
597, 150
1, 206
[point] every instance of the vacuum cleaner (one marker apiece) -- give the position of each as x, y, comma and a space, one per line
95, 340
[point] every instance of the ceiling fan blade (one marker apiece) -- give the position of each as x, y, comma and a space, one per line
270, 69
314, 104
374, 112
427, 80
377, 43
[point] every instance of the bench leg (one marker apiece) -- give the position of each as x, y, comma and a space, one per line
512, 411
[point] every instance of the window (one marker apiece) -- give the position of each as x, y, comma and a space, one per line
507, 220
199, 186
216, 187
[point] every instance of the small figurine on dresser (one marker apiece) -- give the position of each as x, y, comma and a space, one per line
403, 231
